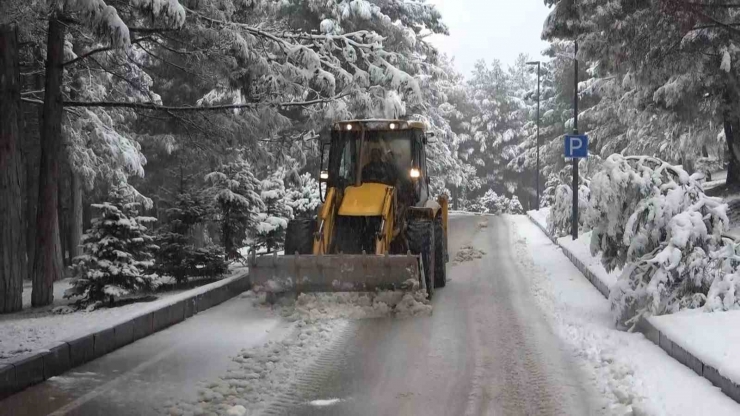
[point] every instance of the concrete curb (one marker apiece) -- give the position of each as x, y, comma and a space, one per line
29, 370
644, 326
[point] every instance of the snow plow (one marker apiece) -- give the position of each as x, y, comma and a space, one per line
378, 227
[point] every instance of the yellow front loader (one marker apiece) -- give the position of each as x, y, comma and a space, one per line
378, 226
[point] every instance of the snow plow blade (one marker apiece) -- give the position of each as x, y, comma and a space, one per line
335, 273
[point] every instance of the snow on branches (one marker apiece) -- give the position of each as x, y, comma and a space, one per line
273, 220
234, 193
303, 197
117, 253
654, 221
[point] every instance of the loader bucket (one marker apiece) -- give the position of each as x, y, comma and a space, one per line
335, 273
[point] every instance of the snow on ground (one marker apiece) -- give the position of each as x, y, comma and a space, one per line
347, 305
467, 253
633, 375
711, 337
259, 375
37, 329
540, 216
581, 249
59, 287
453, 213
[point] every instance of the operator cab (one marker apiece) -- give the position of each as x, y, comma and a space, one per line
390, 152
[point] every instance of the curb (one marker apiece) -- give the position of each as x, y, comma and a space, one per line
644, 326
29, 370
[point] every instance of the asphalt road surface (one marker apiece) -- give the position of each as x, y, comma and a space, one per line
486, 350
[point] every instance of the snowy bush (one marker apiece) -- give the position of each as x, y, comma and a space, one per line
561, 207
496, 204
273, 220
654, 221
488, 201
515, 207
303, 198
561, 211
177, 256
234, 194
117, 253
548, 194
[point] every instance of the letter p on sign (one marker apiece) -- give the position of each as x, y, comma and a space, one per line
576, 146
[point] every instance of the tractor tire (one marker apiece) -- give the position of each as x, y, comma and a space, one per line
420, 237
440, 250
299, 236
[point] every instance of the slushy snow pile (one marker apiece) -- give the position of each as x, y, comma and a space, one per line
468, 253
632, 375
258, 375
349, 305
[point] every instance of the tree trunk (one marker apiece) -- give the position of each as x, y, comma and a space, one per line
198, 232
733, 150
32, 128
12, 241
61, 215
75, 220
226, 232
47, 266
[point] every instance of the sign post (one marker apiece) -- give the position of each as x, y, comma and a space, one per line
576, 148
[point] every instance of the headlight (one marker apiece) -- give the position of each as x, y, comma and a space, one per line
349, 127
415, 173
393, 126
324, 175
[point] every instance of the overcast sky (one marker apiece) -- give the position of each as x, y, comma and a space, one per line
491, 29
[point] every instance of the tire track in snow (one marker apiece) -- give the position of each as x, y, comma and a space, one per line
310, 381
520, 366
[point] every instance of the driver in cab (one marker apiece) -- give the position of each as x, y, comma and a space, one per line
380, 169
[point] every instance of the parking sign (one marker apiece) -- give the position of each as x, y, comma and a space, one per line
576, 146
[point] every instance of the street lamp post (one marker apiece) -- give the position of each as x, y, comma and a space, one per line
574, 224
574, 217
537, 177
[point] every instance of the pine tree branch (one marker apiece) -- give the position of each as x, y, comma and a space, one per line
713, 6
104, 49
281, 36
153, 29
157, 107
148, 52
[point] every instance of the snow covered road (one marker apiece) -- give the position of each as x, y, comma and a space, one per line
486, 350
517, 331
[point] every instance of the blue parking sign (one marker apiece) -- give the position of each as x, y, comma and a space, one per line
576, 146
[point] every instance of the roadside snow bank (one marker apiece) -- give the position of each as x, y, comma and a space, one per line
713, 338
632, 375
540, 216
582, 250
37, 329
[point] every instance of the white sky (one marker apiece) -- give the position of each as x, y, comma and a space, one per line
491, 29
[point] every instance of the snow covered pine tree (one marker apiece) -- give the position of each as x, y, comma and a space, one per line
273, 220
117, 253
177, 256
234, 194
